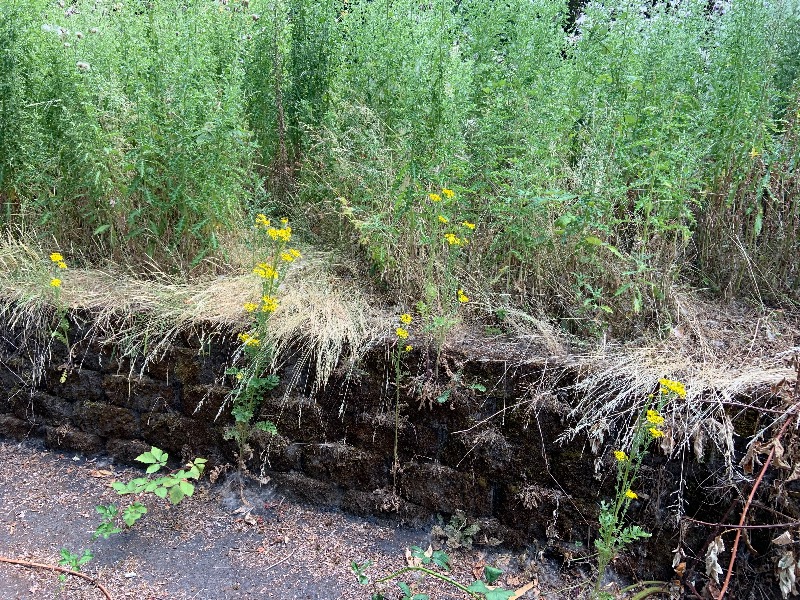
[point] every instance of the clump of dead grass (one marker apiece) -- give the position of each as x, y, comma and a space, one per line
142, 317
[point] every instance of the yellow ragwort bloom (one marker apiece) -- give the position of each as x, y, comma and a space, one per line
401, 333
250, 306
448, 193
462, 297
55, 282
443, 219
656, 433
287, 257
270, 304
654, 418
56, 257
754, 153
262, 221
676, 387
295, 253
61, 264
265, 271
452, 239
409, 348
620, 455
435, 197
284, 221
468, 225
248, 340
284, 234
631, 494
405, 319
239, 376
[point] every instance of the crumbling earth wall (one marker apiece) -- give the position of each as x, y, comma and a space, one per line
477, 434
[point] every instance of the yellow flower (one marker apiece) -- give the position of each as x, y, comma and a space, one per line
56, 257
287, 257
262, 221
468, 225
250, 306
435, 197
270, 304
453, 239
61, 264
295, 253
443, 219
656, 433
754, 153
620, 455
55, 282
405, 319
401, 333
462, 297
409, 348
654, 418
675, 387
631, 494
249, 340
284, 234
240, 376
265, 271
448, 193
284, 221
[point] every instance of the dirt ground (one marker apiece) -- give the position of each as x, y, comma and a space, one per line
206, 548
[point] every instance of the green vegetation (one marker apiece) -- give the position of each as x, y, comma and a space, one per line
174, 484
602, 160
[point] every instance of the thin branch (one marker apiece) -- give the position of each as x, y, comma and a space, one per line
26, 563
727, 526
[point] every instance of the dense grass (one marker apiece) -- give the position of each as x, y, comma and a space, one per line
604, 161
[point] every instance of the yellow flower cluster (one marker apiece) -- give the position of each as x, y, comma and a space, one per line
443, 219
58, 260
248, 340
290, 255
468, 225
262, 221
405, 319
620, 455
453, 239
409, 348
448, 193
55, 282
654, 418
265, 271
401, 333
435, 197
630, 494
270, 304
250, 306
656, 433
676, 387
284, 234
462, 297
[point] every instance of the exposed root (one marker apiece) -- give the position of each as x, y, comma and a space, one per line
26, 563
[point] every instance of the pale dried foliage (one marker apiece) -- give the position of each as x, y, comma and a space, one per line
319, 318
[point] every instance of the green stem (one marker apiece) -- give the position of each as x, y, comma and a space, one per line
397, 376
444, 578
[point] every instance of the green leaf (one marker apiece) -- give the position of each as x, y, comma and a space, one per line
175, 494
495, 594
443, 397
406, 590
161, 492
478, 387
267, 426
187, 488
441, 560
491, 573
152, 469
101, 229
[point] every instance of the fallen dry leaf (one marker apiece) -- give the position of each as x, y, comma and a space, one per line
100, 473
523, 590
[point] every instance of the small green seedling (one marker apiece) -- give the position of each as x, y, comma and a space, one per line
73, 561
